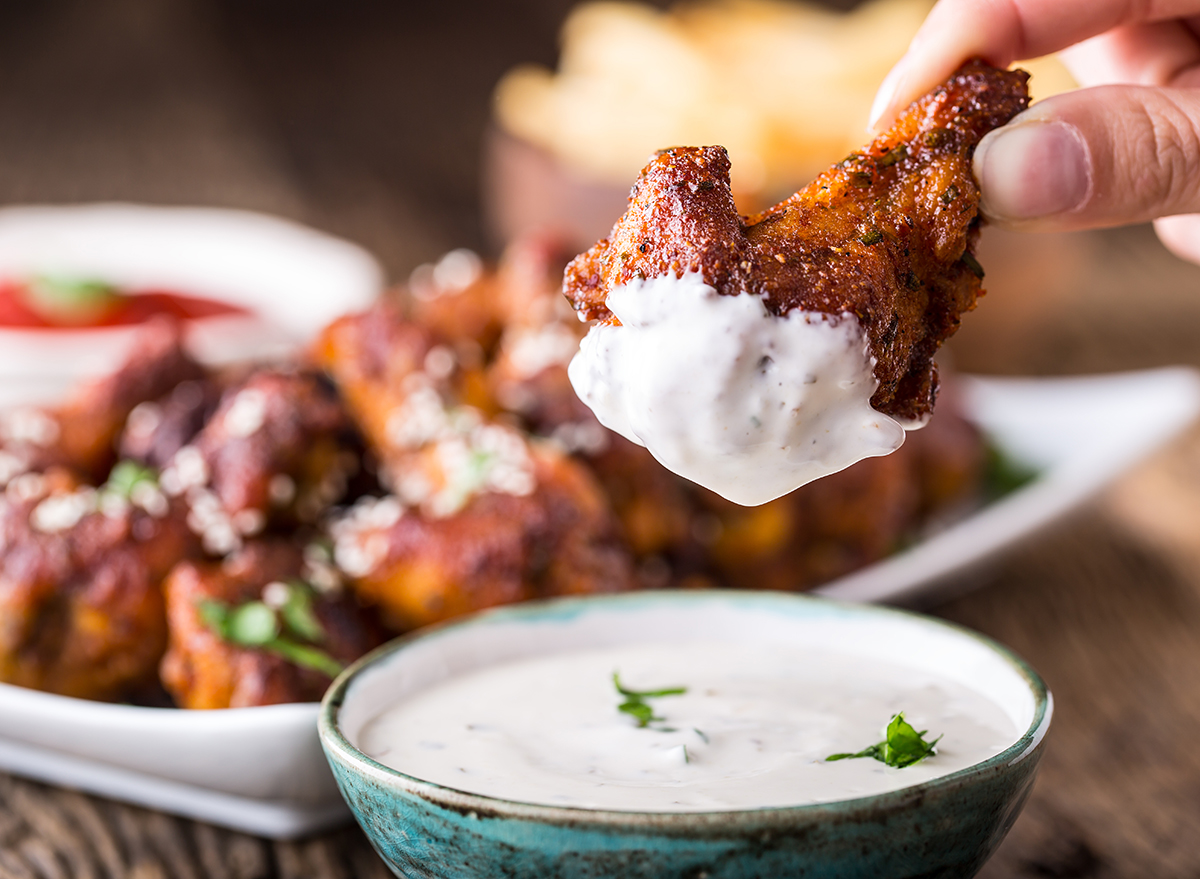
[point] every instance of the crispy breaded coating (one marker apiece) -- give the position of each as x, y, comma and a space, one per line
91, 419
81, 610
278, 449
478, 514
156, 430
378, 360
554, 536
203, 670
279, 424
887, 234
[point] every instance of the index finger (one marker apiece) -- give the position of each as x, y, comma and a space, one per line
1001, 32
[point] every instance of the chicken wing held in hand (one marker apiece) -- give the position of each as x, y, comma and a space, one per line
785, 346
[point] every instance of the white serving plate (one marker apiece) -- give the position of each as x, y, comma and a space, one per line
261, 770
293, 279
258, 770
1080, 433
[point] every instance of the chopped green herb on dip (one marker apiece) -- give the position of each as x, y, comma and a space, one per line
902, 745
635, 701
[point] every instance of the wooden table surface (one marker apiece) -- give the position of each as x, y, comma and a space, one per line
365, 118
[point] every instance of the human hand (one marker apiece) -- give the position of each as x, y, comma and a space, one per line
1124, 150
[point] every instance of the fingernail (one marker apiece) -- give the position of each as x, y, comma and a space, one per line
885, 96
1033, 169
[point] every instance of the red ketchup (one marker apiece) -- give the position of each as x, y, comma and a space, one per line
134, 308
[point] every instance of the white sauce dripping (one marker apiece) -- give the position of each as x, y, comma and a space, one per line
747, 404
752, 731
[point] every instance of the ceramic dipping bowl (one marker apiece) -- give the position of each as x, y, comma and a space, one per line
945, 827
290, 280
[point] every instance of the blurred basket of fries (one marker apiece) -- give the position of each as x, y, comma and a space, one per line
785, 86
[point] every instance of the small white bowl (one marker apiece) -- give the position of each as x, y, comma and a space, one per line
292, 279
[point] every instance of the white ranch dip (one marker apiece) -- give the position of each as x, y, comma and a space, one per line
747, 404
753, 729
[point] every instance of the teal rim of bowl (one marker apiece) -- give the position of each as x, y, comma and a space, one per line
569, 607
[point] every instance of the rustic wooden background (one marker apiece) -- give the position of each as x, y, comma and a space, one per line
366, 118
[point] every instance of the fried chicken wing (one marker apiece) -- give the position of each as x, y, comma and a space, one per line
92, 418
543, 529
82, 432
886, 235
457, 299
278, 449
479, 513
156, 430
652, 504
204, 669
462, 301
383, 365
81, 611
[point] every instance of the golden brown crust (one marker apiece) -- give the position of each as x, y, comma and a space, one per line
81, 611
201, 670
91, 420
279, 423
887, 234
559, 539
371, 357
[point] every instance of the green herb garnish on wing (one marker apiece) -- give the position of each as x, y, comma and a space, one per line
127, 476
281, 627
903, 745
635, 703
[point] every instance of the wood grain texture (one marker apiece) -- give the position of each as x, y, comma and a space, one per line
1114, 628
47, 833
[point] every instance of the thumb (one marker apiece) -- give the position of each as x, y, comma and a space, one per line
1095, 157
